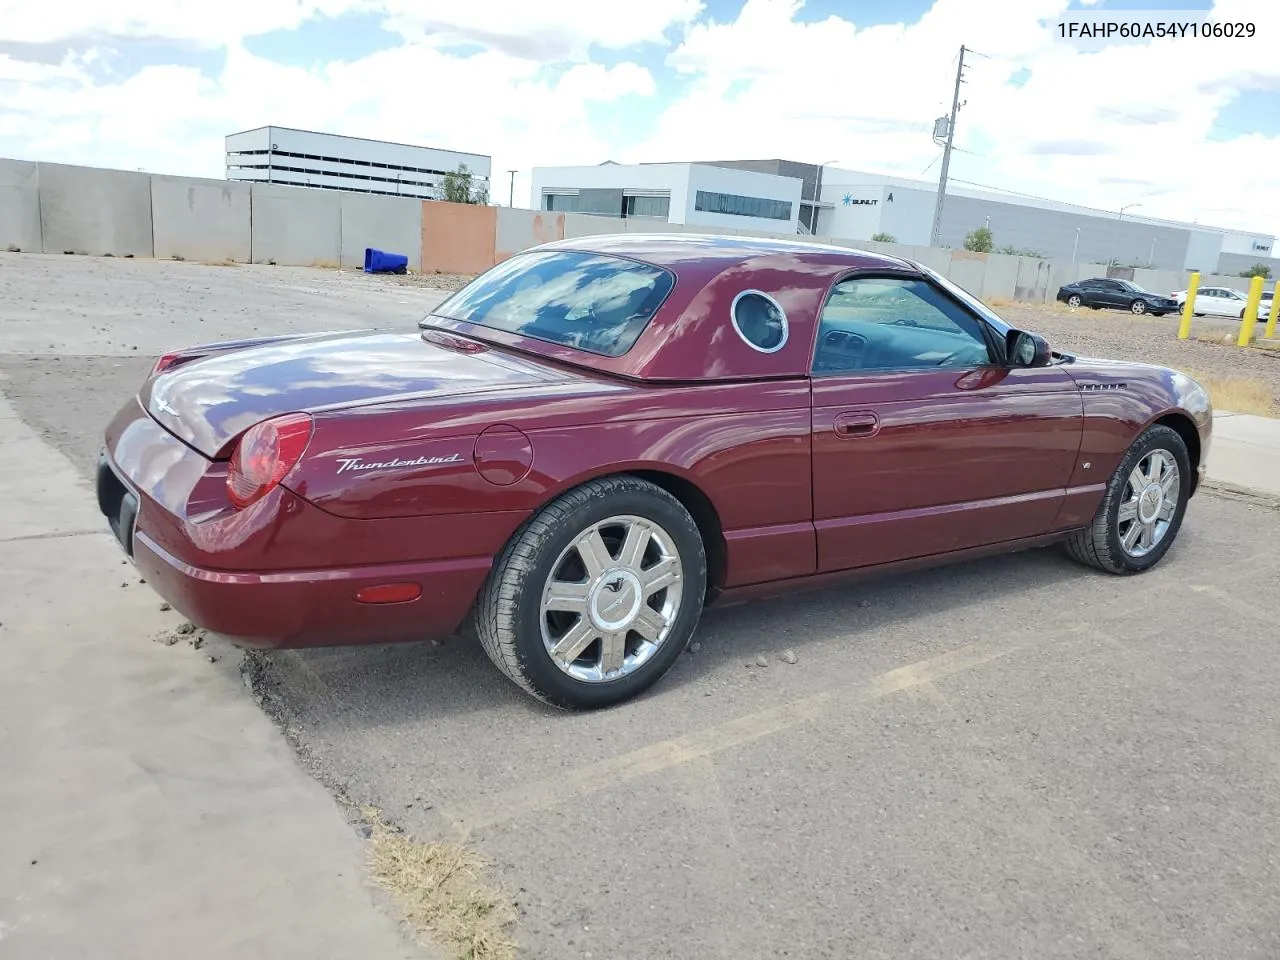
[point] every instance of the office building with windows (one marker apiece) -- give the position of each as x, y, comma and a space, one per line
690, 194
303, 158
786, 196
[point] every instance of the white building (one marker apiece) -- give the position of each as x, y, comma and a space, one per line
303, 158
859, 206
691, 194
852, 205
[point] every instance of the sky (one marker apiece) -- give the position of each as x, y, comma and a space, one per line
1186, 129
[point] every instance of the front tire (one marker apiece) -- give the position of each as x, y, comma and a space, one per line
597, 596
1142, 511
1073, 300
1138, 308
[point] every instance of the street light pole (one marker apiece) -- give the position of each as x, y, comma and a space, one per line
511, 194
1075, 246
1127, 206
946, 153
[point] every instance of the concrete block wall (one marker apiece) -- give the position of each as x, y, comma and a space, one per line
200, 219
56, 208
97, 212
391, 224
20, 206
296, 225
517, 230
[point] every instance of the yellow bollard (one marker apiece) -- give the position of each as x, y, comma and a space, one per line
1271, 319
1189, 310
1250, 312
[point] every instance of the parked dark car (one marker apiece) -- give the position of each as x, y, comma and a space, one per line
598, 436
1100, 292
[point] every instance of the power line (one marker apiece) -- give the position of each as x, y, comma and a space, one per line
1153, 122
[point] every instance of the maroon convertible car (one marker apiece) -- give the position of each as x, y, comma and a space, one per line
597, 437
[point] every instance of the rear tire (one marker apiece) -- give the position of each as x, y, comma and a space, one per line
595, 598
1134, 526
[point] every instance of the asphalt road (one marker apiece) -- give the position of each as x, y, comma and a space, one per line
1014, 758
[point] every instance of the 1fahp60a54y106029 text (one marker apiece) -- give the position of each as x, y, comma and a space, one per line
1137, 30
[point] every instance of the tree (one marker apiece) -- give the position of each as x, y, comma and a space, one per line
460, 186
979, 241
883, 237
1257, 270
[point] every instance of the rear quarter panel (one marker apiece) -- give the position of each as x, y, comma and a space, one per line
745, 445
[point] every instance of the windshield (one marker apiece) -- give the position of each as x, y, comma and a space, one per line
1136, 288
589, 301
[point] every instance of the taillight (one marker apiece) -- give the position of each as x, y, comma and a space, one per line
165, 362
265, 455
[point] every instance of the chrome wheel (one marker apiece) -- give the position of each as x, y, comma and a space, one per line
611, 599
1138, 307
1073, 301
1150, 503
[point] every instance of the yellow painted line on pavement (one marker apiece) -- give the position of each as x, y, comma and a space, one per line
667, 754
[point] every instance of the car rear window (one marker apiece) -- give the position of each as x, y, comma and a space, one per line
588, 301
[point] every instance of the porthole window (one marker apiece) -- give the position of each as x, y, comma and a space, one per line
760, 321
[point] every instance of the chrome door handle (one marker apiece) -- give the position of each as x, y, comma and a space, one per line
851, 425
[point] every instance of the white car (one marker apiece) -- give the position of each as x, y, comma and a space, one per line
1224, 302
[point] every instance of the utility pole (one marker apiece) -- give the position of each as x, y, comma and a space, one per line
511, 194
946, 153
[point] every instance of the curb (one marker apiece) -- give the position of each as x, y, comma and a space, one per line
1233, 491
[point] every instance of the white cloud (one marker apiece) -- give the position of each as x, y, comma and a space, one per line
868, 96
545, 30
1128, 124
228, 20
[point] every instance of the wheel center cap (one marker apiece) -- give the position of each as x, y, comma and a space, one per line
1150, 502
614, 599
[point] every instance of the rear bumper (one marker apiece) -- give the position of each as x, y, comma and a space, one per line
282, 573
312, 608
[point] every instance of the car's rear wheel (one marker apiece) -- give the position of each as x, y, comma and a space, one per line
1142, 511
1074, 300
1138, 307
596, 597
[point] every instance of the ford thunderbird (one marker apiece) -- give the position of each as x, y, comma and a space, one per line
592, 441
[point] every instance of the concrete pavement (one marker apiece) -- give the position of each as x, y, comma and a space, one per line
1245, 452
150, 809
1013, 758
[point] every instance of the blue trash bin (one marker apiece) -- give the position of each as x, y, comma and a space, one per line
375, 261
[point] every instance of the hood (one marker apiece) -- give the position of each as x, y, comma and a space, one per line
209, 402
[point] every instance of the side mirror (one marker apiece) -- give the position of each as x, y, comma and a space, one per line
1027, 349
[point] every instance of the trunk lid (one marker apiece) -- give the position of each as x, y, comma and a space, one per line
209, 402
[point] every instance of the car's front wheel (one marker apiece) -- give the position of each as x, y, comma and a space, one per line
596, 597
1142, 511
1074, 300
1138, 307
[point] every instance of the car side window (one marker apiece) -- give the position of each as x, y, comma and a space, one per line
893, 323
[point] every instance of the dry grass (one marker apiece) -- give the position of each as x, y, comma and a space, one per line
1238, 394
442, 893
218, 263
